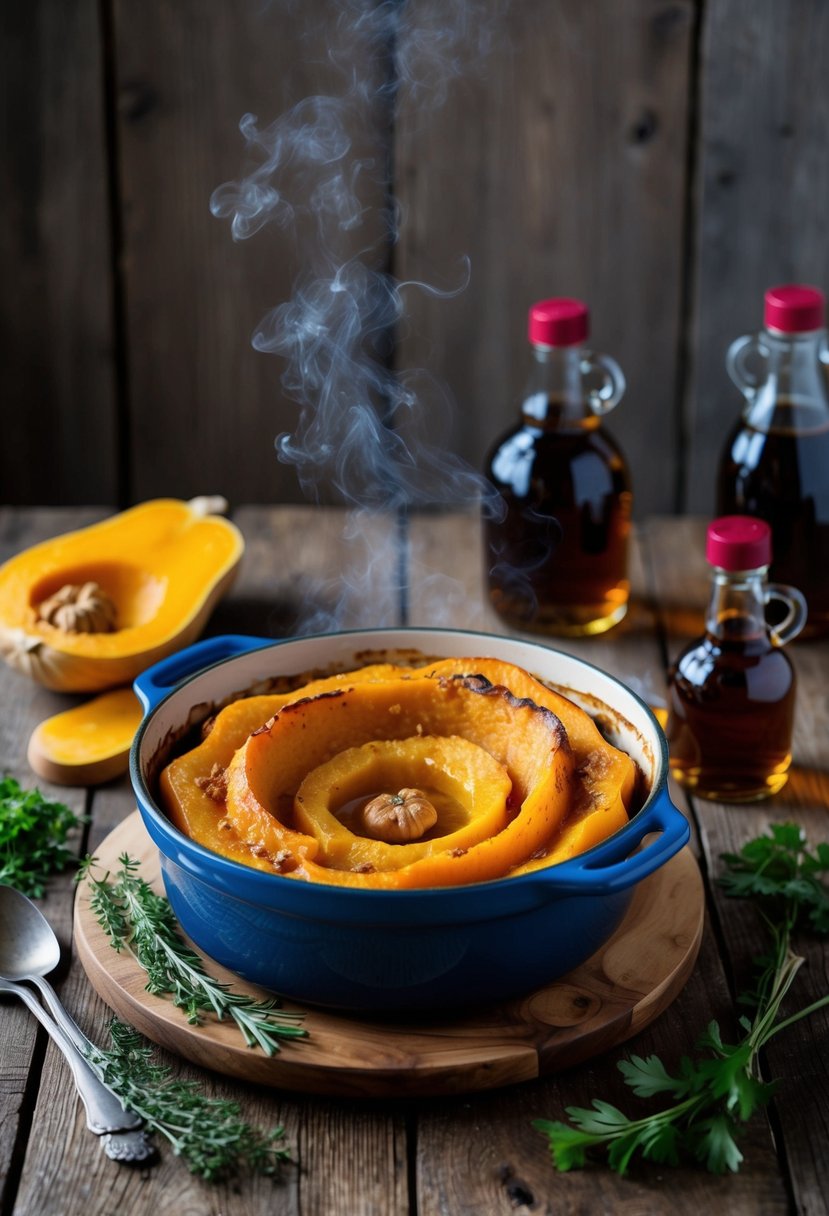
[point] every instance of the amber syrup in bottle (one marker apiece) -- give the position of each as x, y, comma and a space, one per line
557, 551
775, 463
732, 691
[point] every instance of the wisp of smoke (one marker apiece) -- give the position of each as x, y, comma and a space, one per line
362, 425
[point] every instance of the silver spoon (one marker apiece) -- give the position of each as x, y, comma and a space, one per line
29, 950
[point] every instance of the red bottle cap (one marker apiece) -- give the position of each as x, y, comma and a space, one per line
559, 322
738, 542
793, 308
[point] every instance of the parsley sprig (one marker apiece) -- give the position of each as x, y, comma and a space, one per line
721, 1087
136, 919
207, 1133
33, 835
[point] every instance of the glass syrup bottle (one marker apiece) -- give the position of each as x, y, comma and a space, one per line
732, 691
556, 557
775, 463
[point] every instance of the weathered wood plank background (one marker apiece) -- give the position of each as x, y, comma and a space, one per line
665, 159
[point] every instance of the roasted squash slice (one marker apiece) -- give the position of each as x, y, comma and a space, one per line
606, 776
601, 788
265, 775
465, 786
184, 781
91, 609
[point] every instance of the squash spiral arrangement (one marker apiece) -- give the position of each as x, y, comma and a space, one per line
460, 771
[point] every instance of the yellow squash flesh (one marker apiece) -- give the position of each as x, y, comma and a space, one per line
602, 785
88, 744
164, 564
528, 742
468, 787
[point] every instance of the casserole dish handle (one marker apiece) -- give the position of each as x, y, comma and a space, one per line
614, 866
156, 681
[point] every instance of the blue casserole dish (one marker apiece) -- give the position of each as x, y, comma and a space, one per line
430, 949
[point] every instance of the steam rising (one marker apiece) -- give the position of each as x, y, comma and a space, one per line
361, 425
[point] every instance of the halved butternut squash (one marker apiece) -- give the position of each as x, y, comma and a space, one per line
91, 609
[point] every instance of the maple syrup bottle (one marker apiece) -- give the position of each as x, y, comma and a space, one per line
775, 463
556, 557
732, 692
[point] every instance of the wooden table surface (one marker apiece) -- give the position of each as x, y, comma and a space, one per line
465, 1154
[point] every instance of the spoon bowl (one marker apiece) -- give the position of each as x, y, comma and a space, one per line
28, 945
29, 950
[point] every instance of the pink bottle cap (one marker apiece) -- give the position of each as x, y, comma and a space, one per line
738, 542
793, 308
559, 322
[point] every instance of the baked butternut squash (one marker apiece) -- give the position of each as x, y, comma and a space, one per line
91, 609
606, 775
265, 775
273, 780
454, 790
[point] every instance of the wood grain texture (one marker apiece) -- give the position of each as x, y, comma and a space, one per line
611, 996
56, 332
799, 1060
31, 1066
453, 1155
312, 571
505, 1164
485, 1155
205, 407
763, 182
558, 167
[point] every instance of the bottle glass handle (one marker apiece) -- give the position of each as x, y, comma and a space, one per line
796, 613
604, 382
745, 363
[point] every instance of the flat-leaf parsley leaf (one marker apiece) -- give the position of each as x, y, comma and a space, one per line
717, 1090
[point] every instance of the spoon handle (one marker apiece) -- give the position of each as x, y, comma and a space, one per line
104, 1112
64, 1019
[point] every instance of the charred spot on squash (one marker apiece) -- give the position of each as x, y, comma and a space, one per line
591, 787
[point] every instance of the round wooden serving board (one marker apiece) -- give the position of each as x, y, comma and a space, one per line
623, 987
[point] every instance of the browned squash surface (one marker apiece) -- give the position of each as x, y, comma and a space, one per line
279, 780
265, 775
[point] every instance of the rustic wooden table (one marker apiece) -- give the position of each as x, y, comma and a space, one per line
464, 1154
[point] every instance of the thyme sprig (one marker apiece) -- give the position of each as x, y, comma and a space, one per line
136, 919
207, 1133
721, 1087
33, 835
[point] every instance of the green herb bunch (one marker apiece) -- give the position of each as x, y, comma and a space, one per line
33, 835
135, 918
721, 1087
207, 1133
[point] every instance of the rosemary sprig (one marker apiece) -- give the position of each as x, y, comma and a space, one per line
718, 1090
33, 834
134, 918
207, 1133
